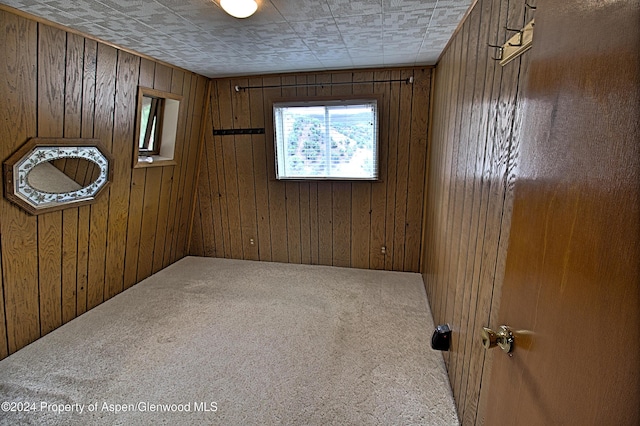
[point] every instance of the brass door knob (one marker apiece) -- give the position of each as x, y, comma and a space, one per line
502, 338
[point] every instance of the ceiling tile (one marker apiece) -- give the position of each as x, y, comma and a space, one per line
361, 31
408, 5
284, 35
447, 15
295, 10
347, 8
416, 20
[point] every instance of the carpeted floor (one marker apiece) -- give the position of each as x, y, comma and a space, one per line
228, 342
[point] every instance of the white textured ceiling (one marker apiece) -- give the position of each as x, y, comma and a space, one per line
283, 35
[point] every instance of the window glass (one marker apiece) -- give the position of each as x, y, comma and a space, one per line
149, 142
327, 139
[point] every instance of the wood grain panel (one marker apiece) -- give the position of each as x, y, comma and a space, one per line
153, 192
260, 169
170, 82
128, 69
402, 173
146, 74
220, 171
84, 212
361, 195
51, 83
134, 225
378, 232
479, 20
208, 190
462, 212
246, 181
191, 161
416, 170
149, 221
18, 88
474, 135
231, 172
277, 190
58, 265
177, 190
329, 223
102, 130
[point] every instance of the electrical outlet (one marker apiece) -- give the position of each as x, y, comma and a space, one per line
383, 250
251, 241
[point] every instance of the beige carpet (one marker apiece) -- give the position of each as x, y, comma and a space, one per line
228, 342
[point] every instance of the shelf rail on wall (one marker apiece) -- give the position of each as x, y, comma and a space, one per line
408, 80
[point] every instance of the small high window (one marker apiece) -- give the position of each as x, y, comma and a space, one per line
334, 139
151, 125
156, 127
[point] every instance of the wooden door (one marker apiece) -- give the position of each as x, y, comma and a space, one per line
571, 285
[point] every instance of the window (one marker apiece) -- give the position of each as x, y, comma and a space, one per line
156, 128
150, 125
326, 139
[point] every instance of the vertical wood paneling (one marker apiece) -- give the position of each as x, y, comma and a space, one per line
123, 133
231, 172
177, 188
102, 130
190, 162
474, 133
378, 231
461, 211
153, 192
214, 114
51, 83
402, 173
136, 203
18, 88
416, 169
392, 171
260, 169
209, 175
277, 190
57, 265
361, 196
480, 19
246, 181
84, 212
328, 223
171, 83
72, 129
151, 201
136, 196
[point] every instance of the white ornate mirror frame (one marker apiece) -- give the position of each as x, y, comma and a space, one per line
35, 184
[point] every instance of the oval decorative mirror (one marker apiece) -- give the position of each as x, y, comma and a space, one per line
50, 174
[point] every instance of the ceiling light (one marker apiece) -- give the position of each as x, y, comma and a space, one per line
239, 8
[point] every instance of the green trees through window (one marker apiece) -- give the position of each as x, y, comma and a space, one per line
335, 140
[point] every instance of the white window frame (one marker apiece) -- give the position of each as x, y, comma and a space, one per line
168, 132
326, 102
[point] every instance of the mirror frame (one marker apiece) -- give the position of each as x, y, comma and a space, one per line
40, 150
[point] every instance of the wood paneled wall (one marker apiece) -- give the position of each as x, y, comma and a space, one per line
58, 265
242, 212
477, 111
